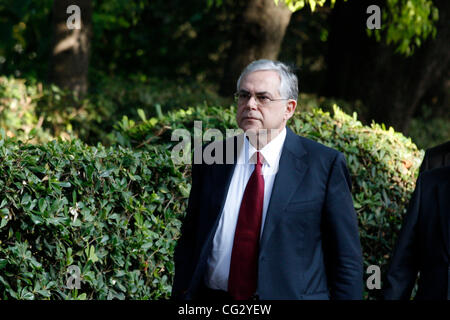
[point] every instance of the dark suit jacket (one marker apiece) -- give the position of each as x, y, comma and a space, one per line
423, 243
436, 157
310, 246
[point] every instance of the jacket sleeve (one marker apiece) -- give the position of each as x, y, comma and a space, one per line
404, 266
342, 247
186, 243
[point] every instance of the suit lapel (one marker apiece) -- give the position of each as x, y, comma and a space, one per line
220, 180
292, 168
444, 213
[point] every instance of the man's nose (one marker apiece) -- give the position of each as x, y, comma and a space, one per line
252, 102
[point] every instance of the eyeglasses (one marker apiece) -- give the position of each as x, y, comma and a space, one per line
261, 98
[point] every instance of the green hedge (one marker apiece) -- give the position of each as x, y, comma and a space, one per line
113, 212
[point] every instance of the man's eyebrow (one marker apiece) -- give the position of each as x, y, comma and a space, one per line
258, 93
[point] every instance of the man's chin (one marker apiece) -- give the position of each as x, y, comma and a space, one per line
246, 126
250, 128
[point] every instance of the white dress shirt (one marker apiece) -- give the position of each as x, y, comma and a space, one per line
218, 264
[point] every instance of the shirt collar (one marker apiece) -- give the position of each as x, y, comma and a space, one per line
270, 151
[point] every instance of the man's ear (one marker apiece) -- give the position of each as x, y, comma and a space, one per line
290, 109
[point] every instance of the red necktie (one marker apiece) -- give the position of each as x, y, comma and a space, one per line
242, 279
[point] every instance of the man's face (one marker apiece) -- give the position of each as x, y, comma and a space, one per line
253, 115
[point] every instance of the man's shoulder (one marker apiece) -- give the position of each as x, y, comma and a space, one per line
316, 149
315, 146
440, 149
435, 176
435, 156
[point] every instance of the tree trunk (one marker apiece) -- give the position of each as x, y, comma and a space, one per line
71, 47
390, 85
259, 32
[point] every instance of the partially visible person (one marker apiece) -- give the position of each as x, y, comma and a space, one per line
436, 157
423, 244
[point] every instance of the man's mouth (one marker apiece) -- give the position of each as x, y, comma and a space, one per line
250, 118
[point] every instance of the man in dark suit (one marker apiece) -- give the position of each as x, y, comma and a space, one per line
436, 157
277, 222
423, 244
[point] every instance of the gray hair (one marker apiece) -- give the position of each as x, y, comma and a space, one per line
288, 80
